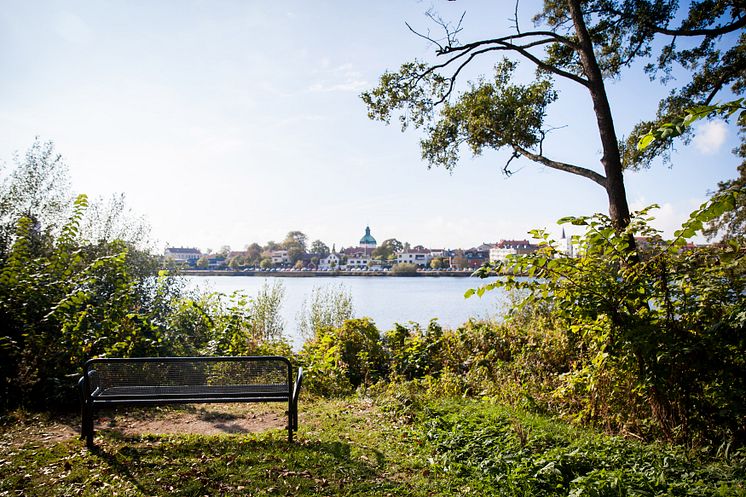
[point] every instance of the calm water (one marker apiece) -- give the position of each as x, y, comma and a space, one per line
385, 300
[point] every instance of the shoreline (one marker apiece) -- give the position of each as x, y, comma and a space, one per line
314, 274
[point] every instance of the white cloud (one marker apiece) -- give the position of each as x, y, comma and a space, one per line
669, 217
354, 85
710, 136
341, 78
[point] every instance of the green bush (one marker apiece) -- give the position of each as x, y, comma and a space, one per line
659, 329
404, 269
339, 360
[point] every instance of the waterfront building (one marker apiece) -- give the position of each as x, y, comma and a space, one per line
358, 261
330, 262
476, 256
279, 257
501, 250
419, 256
182, 254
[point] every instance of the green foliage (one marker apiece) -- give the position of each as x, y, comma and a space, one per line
404, 269
415, 352
265, 312
327, 307
320, 248
507, 452
491, 114
73, 290
63, 303
350, 447
679, 124
661, 328
339, 360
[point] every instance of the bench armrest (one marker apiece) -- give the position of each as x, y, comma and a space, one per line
298, 384
94, 383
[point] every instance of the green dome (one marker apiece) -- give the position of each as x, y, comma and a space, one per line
367, 239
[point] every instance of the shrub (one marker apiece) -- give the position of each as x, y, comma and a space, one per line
659, 330
339, 360
404, 269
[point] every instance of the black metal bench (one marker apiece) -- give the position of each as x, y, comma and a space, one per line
142, 381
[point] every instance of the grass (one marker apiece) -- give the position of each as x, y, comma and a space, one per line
351, 447
344, 448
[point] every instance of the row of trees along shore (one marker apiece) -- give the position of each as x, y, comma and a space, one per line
649, 344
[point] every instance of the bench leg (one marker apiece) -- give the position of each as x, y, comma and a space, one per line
87, 428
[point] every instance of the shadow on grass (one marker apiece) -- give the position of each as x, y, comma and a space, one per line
199, 465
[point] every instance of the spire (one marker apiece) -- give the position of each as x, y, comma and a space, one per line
563, 234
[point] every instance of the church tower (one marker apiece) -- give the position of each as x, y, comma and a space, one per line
367, 242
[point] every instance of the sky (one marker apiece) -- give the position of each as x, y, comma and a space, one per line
232, 122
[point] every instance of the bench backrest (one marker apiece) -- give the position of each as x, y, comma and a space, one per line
187, 371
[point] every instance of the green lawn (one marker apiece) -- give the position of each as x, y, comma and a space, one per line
354, 448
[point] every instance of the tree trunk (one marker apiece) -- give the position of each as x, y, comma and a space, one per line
611, 160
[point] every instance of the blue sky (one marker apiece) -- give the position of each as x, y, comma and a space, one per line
231, 122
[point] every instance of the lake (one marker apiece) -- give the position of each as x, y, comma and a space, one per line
386, 300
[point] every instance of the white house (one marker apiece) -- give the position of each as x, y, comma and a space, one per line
182, 254
504, 248
330, 262
419, 256
357, 261
279, 256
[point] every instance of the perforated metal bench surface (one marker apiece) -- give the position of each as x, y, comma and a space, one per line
171, 380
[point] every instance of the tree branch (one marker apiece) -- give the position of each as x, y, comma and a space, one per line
716, 31
529, 34
543, 65
501, 46
562, 166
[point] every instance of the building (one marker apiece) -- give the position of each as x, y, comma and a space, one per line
182, 254
476, 256
501, 250
330, 262
367, 242
419, 256
279, 257
565, 245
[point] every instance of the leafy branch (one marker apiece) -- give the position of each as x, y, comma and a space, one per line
679, 125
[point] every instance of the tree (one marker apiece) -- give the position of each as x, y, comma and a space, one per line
38, 187
436, 263
253, 254
202, 262
265, 263
271, 245
224, 251
295, 244
320, 248
295, 239
581, 42
387, 249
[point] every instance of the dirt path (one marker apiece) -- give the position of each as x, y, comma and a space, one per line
204, 419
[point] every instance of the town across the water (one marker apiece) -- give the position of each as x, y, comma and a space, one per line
366, 256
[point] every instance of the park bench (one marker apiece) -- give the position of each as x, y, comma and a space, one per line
144, 381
